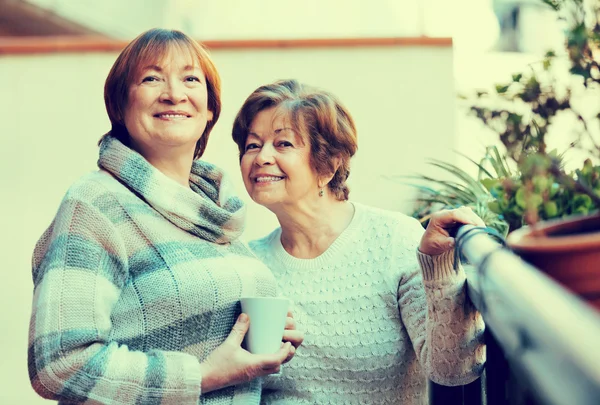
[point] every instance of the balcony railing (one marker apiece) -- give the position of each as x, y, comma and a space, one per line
543, 343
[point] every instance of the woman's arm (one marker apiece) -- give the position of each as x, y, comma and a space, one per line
80, 267
445, 328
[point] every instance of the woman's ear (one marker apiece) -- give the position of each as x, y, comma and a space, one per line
325, 179
337, 162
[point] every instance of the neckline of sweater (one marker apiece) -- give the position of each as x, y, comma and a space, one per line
329, 256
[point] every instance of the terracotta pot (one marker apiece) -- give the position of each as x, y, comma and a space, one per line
568, 250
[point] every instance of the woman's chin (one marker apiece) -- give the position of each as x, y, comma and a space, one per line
265, 199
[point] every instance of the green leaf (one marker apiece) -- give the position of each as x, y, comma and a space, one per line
489, 184
582, 200
482, 169
535, 200
473, 185
494, 206
540, 183
517, 77
550, 209
500, 89
520, 198
499, 162
553, 3
554, 188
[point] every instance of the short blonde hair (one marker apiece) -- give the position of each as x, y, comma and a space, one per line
144, 50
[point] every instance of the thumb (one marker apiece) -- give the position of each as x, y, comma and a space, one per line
239, 329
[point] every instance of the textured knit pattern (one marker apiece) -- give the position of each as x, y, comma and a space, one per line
378, 317
136, 281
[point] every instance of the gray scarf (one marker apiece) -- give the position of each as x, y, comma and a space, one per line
209, 210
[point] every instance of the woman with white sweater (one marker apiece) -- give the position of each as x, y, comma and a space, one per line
376, 296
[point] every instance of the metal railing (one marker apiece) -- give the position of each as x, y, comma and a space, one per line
543, 343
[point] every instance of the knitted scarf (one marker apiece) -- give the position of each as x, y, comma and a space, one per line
209, 209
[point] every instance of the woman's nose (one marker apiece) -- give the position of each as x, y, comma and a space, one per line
174, 92
265, 156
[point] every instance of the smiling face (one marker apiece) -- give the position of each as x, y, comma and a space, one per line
276, 163
167, 104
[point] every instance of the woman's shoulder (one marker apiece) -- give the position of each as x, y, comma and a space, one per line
98, 191
379, 217
92, 186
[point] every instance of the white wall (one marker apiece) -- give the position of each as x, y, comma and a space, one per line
234, 19
115, 18
53, 114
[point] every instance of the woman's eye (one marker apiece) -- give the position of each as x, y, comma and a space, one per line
284, 144
150, 79
192, 79
251, 146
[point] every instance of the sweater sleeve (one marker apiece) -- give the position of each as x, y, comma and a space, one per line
79, 269
445, 328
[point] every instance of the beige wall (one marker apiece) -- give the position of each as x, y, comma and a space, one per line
53, 113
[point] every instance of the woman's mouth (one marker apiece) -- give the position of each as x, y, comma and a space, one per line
267, 179
171, 115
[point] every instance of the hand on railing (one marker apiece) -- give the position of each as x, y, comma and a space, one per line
439, 235
465, 232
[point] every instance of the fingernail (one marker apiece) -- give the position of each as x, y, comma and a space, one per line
243, 318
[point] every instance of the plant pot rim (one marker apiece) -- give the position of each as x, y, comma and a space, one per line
543, 236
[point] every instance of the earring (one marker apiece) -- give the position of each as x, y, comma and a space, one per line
321, 192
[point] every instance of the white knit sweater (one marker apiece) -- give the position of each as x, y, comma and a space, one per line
378, 317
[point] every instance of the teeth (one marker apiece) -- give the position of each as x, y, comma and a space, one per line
172, 116
267, 179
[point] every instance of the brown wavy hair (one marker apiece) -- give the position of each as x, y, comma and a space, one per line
314, 113
146, 49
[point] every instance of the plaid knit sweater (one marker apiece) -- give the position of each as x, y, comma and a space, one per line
137, 280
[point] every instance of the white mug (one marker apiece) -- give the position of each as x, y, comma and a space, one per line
267, 322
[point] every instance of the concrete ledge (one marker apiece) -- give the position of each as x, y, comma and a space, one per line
62, 44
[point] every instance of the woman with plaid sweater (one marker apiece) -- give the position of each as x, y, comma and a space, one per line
138, 278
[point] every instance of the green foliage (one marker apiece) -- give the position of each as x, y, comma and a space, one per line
526, 199
463, 190
532, 101
555, 4
539, 187
502, 197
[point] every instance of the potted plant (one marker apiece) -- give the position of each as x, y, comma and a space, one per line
524, 111
461, 189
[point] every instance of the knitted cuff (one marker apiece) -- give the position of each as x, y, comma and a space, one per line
439, 267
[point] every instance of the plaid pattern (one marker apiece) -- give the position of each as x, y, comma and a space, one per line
209, 209
136, 281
